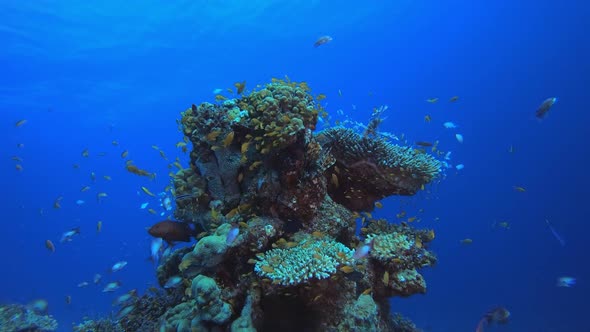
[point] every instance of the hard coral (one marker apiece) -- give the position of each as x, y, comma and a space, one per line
309, 260
368, 169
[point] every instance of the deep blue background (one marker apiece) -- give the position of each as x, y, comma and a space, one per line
84, 75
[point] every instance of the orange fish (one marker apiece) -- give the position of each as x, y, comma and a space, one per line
322, 40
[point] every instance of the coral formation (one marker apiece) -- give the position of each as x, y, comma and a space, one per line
368, 169
15, 317
278, 208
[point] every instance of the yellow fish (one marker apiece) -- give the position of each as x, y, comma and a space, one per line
519, 189
147, 191
466, 241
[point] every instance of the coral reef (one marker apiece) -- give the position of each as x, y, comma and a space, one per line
15, 317
278, 208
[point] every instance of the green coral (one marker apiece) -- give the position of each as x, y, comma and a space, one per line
277, 113
311, 259
207, 295
388, 246
207, 253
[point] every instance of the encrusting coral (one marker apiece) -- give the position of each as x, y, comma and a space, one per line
278, 208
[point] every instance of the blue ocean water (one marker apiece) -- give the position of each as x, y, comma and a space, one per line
86, 74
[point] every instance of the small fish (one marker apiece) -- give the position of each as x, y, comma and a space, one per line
566, 282
92, 176
67, 236
115, 143
555, 234
459, 167
83, 284
173, 282
454, 99
20, 145
155, 248
17, 159
427, 118
167, 203
502, 224
111, 287
106, 177
85, 153
459, 138
240, 86
20, 123
152, 211
124, 154
99, 196
49, 245
363, 249
163, 155
450, 125
322, 40
57, 203
39, 306
80, 202
511, 149
124, 312
519, 189
122, 299
232, 234
423, 143
97, 278
432, 100
497, 315
544, 108
18, 167
85, 188
99, 226
118, 266
144, 205
466, 241
217, 91
147, 191
68, 299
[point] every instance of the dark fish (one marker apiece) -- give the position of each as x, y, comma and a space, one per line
545, 107
184, 196
322, 40
193, 107
422, 143
497, 315
172, 231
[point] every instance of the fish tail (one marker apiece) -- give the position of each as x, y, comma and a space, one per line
480, 325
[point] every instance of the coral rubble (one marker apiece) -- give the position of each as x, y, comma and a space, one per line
258, 170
